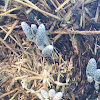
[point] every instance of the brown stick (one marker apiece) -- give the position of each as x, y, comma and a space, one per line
75, 32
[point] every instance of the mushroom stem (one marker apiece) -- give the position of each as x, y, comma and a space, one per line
96, 85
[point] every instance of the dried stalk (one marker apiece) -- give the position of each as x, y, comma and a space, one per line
62, 5
75, 32
15, 23
9, 92
7, 12
38, 9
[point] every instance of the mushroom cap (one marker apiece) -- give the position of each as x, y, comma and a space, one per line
40, 96
58, 96
34, 30
40, 35
97, 75
27, 30
91, 67
47, 51
45, 94
52, 93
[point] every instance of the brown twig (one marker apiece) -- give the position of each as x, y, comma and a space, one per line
75, 32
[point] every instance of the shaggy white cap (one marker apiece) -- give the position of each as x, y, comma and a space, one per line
45, 94
97, 75
58, 96
40, 96
47, 51
97, 79
40, 35
90, 70
27, 30
52, 93
34, 30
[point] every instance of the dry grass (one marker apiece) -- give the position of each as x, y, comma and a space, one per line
21, 61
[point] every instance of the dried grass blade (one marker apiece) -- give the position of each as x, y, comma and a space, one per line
30, 3
75, 32
57, 37
45, 4
24, 69
7, 12
68, 15
57, 2
53, 3
61, 84
34, 77
81, 20
21, 61
8, 46
52, 27
87, 10
58, 79
88, 1
74, 8
11, 15
83, 15
97, 14
9, 92
62, 5
12, 98
15, 23
36, 8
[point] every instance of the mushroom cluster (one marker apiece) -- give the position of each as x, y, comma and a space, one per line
38, 36
50, 95
43, 94
92, 73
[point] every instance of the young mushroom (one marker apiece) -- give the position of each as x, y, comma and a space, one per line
97, 79
58, 96
34, 31
52, 93
90, 70
37, 35
6, 4
40, 36
47, 51
27, 30
40, 96
45, 94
